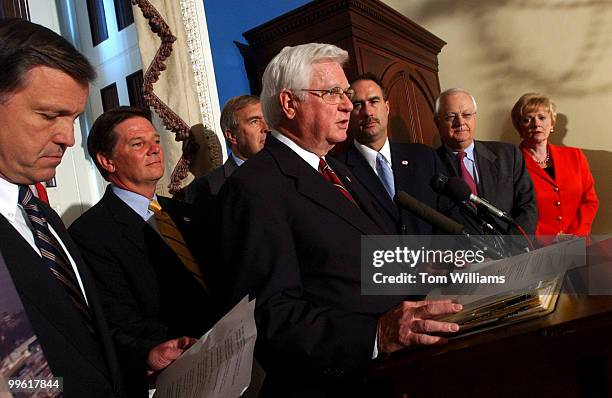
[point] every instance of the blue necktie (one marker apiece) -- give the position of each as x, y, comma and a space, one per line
385, 174
53, 256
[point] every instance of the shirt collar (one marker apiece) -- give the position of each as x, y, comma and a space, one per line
237, 160
311, 158
9, 194
469, 151
370, 154
136, 202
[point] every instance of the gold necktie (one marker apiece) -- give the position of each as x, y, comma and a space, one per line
175, 240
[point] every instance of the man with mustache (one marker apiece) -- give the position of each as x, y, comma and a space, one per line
291, 225
139, 245
493, 170
385, 167
245, 132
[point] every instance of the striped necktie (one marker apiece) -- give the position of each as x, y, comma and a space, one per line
330, 176
53, 256
175, 240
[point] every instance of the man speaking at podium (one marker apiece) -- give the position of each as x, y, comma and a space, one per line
292, 221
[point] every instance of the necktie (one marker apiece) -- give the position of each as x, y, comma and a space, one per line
385, 174
330, 176
465, 174
53, 256
42, 192
175, 240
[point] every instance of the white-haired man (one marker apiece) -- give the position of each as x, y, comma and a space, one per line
292, 223
494, 170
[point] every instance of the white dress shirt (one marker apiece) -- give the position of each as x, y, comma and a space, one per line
370, 154
311, 158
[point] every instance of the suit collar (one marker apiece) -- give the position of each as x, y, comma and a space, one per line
229, 166
310, 158
311, 184
486, 161
126, 218
138, 203
535, 168
358, 165
35, 291
370, 154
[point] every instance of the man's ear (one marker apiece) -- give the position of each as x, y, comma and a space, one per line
288, 103
230, 137
106, 162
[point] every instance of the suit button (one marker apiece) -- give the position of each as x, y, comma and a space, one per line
556, 189
560, 218
557, 204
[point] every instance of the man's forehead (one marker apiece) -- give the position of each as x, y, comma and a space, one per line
457, 101
328, 71
367, 88
135, 125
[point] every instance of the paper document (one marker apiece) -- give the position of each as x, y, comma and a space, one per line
522, 273
219, 364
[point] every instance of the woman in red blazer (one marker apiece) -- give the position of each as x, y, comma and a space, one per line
565, 191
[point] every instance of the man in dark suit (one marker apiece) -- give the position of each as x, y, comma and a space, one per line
148, 287
43, 89
245, 131
385, 167
494, 170
292, 221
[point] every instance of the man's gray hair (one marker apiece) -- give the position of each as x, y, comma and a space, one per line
449, 92
290, 70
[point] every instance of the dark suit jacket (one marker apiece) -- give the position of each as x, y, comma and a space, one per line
87, 363
147, 293
413, 167
210, 184
504, 180
292, 240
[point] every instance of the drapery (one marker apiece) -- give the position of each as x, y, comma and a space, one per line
176, 86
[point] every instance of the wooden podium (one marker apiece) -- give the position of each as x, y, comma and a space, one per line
565, 354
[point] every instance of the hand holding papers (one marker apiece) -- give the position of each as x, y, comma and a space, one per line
167, 352
219, 364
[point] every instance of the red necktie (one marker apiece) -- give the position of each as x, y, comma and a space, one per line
465, 174
42, 192
330, 176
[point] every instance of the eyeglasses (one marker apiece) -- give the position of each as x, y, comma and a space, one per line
332, 96
449, 118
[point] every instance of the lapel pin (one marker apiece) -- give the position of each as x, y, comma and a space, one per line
186, 219
404, 163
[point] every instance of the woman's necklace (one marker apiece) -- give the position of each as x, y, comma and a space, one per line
542, 163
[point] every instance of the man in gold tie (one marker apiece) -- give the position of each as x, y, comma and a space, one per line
138, 244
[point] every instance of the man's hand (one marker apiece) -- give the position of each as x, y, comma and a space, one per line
165, 353
409, 324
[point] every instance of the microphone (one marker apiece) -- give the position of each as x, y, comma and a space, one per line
456, 189
442, 222
428, 214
